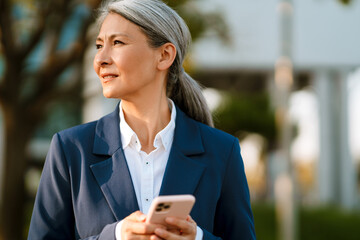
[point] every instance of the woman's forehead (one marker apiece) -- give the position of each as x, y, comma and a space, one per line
115, 24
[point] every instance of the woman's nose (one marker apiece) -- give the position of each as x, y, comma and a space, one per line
103, 57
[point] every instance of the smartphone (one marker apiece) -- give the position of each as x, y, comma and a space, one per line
170, 206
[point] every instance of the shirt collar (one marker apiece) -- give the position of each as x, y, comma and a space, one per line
163, 138
127, 134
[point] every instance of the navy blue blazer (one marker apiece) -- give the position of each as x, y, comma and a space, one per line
86, 187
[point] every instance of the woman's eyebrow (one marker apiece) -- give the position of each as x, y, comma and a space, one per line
114, 35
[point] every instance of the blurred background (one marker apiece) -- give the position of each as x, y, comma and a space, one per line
281, 75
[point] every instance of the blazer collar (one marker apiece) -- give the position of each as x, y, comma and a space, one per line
183, 173
187, 137
113, 174
107, 134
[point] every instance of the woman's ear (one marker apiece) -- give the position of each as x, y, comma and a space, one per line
167, 56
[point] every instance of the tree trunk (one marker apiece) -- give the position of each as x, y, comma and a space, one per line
17, 135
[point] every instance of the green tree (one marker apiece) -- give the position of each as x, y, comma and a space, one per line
35, 54
42, 45
243, 113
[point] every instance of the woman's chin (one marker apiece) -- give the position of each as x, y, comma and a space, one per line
109, 94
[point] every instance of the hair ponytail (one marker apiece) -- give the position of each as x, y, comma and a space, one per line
161, 24
187, 95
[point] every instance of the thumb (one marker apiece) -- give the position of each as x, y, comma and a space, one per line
137, 216
141, 217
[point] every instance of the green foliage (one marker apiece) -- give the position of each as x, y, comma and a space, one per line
265, 222
324, 223
199, 21
246, 112
329, 223
346, 2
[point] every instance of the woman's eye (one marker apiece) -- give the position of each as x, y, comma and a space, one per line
118, 42
98, 46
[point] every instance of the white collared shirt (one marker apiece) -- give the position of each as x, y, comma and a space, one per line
147, 170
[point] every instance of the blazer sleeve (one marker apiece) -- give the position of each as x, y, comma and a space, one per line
233, 217
53, 216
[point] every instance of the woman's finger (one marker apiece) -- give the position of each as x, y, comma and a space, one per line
140, 227
186, 226
137, 216
154, 237
163, 234
134, 227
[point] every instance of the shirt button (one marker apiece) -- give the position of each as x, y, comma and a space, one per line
147, 199
147, 163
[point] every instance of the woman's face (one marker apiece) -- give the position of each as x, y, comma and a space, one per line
125, 63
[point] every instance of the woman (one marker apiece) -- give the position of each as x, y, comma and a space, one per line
99, 178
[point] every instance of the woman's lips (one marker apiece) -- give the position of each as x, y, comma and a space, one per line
108, 77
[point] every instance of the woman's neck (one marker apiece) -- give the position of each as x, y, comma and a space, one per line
147, 118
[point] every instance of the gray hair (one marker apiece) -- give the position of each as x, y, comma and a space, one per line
161, 24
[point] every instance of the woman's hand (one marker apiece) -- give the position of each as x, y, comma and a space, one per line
134, 227
185, 230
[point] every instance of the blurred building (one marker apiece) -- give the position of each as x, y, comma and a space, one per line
325, 51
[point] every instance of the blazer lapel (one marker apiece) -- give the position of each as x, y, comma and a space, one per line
183, 172
112, 175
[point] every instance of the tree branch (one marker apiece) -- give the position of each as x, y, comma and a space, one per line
37, 107
35, 37
59, 20
56, 64
53, 66
52, 16
6, 34
59, 61
2, 90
